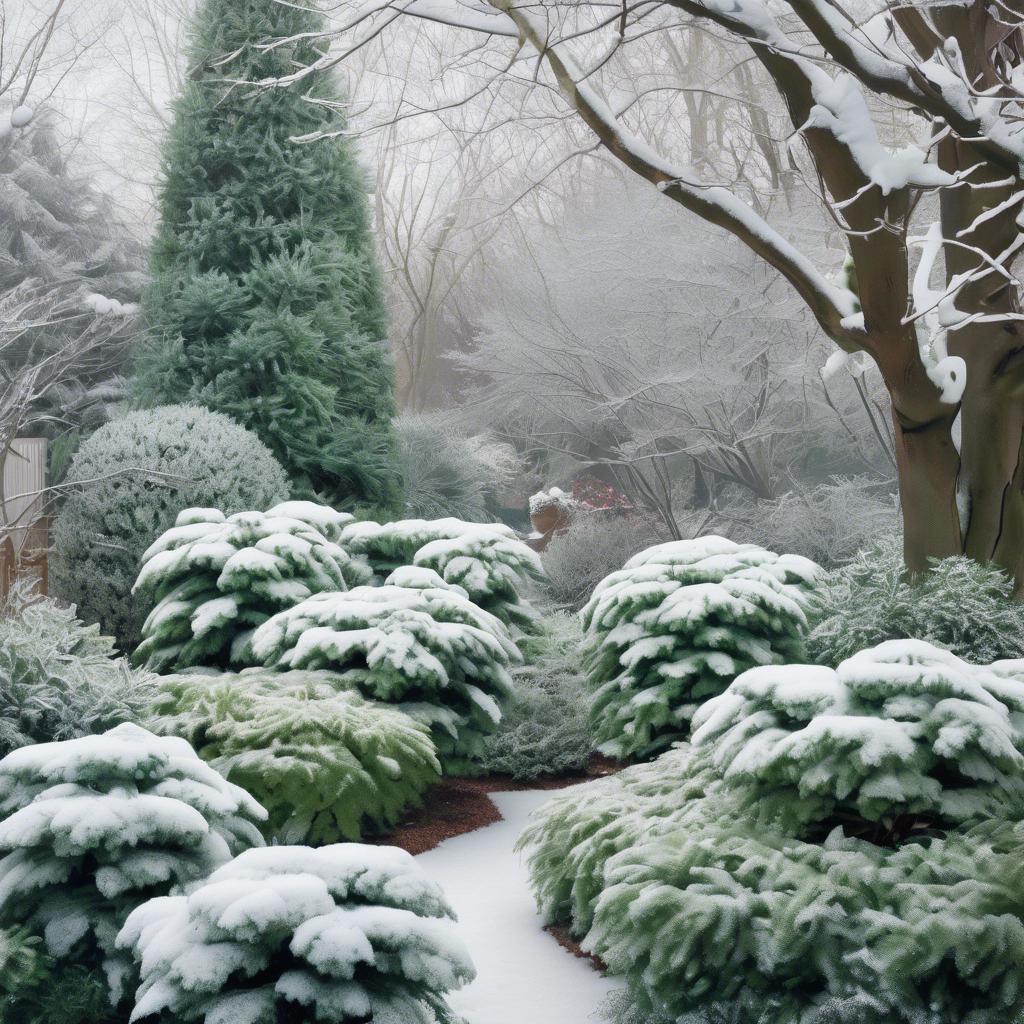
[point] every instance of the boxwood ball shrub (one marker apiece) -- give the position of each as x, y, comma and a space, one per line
91, 827
324, 762
677, 624
342, 934
415, 642
959, 603
850, 848
133, 476
212, 579
487, 560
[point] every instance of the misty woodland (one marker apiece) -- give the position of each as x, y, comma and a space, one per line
511, 512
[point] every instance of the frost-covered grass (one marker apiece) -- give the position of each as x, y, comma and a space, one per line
343, 934
90, 827
960, 604
60, 678
212, 579
545, 730
325, 763
834, 846
416, 642
487, 560
677, 624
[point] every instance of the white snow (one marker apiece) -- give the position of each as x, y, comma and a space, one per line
523, 975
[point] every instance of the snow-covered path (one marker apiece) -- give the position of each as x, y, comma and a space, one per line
523, 975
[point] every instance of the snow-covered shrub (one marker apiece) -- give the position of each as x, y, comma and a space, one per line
960, 604
341, 934
677, 624
594, 545
486, 559
448, 472
212, 579
834, 846
828, 522
326, 764
92, 826
900, 739
416, 642
132, 478
60, 678
572, 836
545, 729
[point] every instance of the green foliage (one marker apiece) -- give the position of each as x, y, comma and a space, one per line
90, 827
446, 472
545, 729
134, 475
56, 992
58, 677
326, 764
676, 625
416, 642
343, 934
212, 579
486, 560
960, 604
836, 847
901, 739
266, 301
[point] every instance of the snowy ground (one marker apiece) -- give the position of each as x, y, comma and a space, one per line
523, 975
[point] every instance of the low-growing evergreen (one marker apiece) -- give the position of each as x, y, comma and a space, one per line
487, 560
416, 642
212, 579
677, 624
91, 827
835, 846
342, 934
324, 762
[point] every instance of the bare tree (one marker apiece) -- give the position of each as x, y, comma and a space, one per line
944, 329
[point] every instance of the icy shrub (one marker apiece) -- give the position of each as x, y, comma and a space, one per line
677, 624
93, 826
960, 604
415, 642
342, 934
545, 729
829, 522
327, 765
594, 545
133, 476
834, 846
447, 472
58, 677
212, 579
486, 559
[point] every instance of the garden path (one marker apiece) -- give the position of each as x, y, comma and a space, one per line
523, 975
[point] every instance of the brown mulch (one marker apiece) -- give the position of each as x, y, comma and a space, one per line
456, 806
560, 933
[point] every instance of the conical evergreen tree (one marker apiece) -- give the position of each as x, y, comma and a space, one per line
266, 302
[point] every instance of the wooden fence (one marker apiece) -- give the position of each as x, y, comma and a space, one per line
24, 531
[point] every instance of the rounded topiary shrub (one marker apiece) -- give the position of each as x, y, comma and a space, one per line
415, 642
960, 604
91, 827
325, 763
133, 476
342, 935
835, 846
212, 579
677, 624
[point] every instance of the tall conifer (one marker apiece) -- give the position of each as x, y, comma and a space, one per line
266, 301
